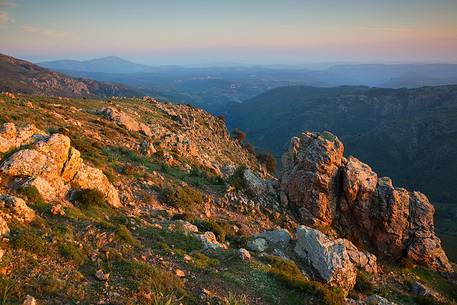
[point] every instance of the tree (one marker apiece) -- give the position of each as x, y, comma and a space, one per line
267, 160
239, 135
249, 147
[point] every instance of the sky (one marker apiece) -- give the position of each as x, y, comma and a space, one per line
231, 31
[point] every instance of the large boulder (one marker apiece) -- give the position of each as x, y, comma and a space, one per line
274, 239
209, 241
257, 244
328, 257
92, 178
309, 171
17, 208
12, 137
254, 184
123, 119
53, 167
325, 189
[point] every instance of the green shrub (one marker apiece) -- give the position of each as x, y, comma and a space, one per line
199, 178
7, 288
288, 272
427, 301
238, 135
32, 194
88, 197
28, 240
363, 283
190, 217
249, 147
267, 160
170, 241
124, 234
237, 180
73, 253
201, 261
48, 285
183, 197
160, 298
141, 275
213, 226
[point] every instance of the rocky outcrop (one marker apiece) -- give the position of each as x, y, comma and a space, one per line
209, 241
12, 137
257, 244
325, 189
17, 208
147, 148
53, 167
123, 119
334, 261
92, 178
182, 226
309, 171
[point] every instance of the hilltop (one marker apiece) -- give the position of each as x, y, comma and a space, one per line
24, 77
139, 201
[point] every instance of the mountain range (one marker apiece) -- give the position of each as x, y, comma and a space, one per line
109, 64
24, 77
212, 87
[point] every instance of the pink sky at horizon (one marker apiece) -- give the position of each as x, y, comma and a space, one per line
176, 32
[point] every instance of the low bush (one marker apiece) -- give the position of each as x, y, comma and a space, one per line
48, 285
87, 198
288, 272
141, 275
363, 283
237, 180
124, 234
238, 135
160, 298
185, 198
201, 261
73, 253
267, 160
29, 241
32, 195
7, 289
213, 226
190, 217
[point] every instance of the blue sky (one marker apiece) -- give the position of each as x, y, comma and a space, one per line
198, 31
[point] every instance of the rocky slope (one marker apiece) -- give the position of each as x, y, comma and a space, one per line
24, 77
144, 202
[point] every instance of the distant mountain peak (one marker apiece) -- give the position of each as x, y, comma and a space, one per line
107, 64
24, 77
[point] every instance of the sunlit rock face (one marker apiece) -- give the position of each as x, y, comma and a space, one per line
325, 189
53, 167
